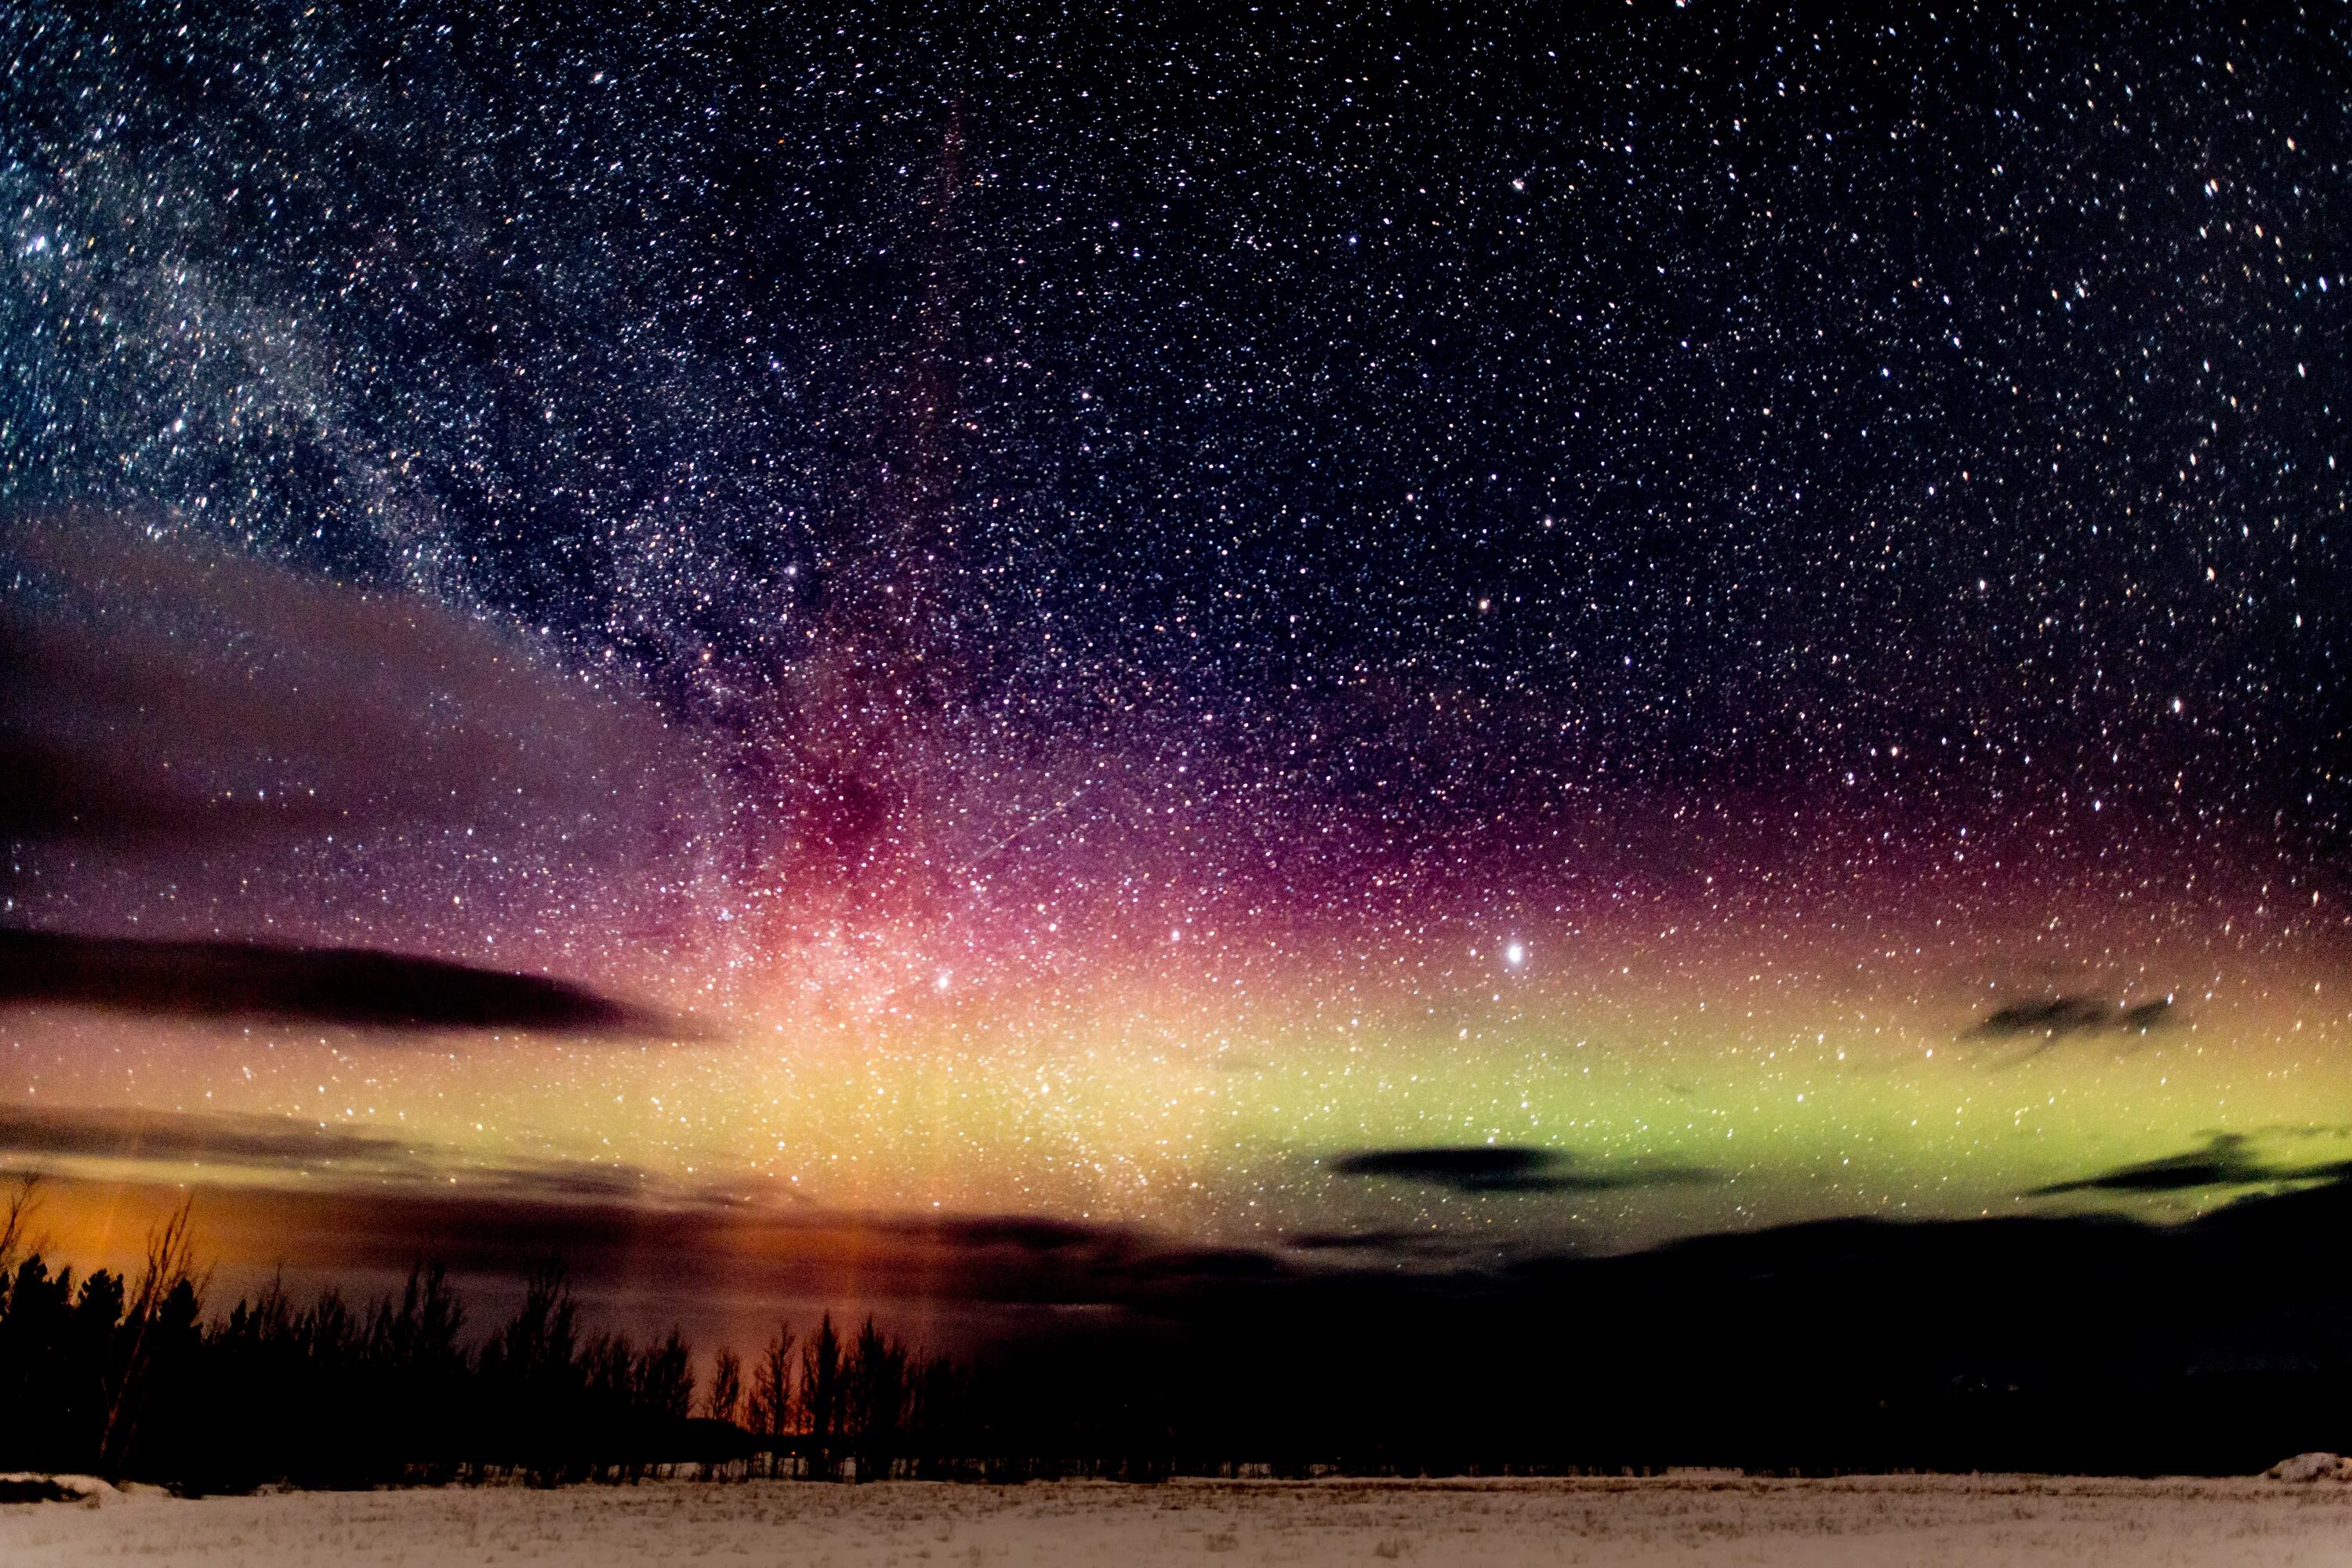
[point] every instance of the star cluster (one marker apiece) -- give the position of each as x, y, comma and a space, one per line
1180, 593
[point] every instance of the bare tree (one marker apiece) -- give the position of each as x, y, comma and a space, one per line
665, 1378
22, 1201
772, 1414
820, 1399
873, 1401
725, 1401
170, 1272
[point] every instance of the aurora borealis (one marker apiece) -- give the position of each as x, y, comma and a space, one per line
1175, 623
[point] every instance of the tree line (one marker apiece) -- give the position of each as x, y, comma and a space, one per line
2062, 1344
124, 1375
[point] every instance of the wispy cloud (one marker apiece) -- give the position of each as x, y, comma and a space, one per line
157, 692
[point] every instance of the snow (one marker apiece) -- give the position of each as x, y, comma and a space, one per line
1986, 1522
42, 1486
2313, 1467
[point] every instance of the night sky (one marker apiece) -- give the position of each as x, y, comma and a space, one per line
1402, 637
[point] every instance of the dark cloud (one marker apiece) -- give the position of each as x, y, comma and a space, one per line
263, 1140
1485, 1168
2227, 1160
59, 1139
160, 693
1019, 1233
621, 1229
330, 1198
1203, 1265
2051, 1018
355, 987
1385, 1241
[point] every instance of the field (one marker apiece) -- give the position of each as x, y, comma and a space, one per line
1986, 1522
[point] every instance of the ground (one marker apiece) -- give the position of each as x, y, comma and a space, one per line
1986, 1522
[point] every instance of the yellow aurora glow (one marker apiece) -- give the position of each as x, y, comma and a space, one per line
1684, 1081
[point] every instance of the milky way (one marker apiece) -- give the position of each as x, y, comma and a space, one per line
1135, 619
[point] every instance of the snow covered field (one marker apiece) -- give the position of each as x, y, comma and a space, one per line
1986, 1522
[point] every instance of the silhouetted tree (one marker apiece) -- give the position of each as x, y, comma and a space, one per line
938, 1406
665, 1380
725, 1401
17, 1208
85, 1363
821, 1400
875, 1401
771, 1411
154, 1339
419, 1376
533, 1382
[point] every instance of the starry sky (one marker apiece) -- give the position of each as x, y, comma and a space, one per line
1404, 637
